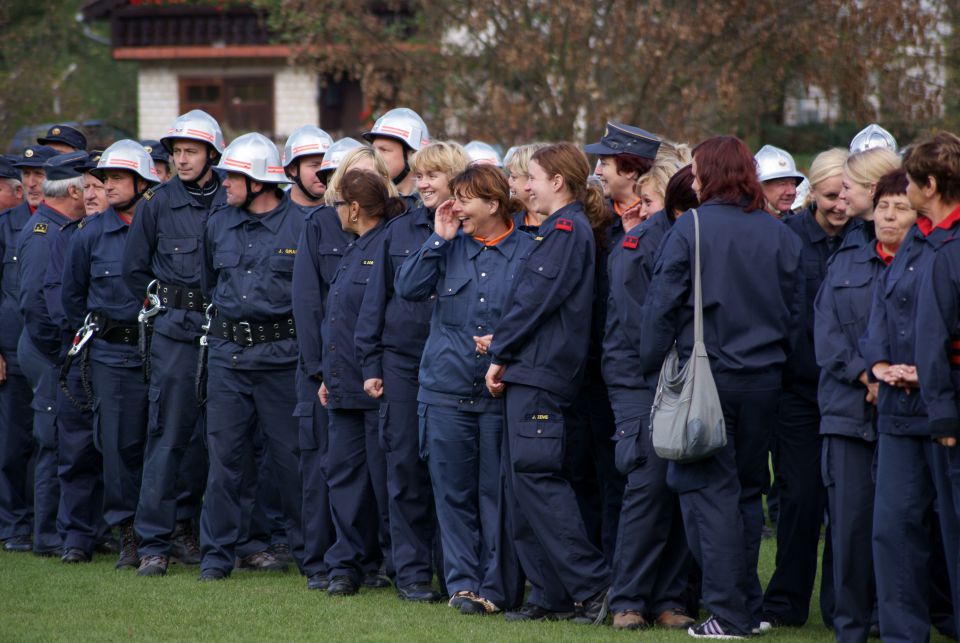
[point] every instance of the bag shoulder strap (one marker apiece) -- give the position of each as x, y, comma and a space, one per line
697, 294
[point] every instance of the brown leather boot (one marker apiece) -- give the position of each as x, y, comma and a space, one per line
628, 620
674, 619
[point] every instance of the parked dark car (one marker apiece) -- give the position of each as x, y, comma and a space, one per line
100, 134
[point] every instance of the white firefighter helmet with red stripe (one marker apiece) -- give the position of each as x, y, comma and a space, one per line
308, 140
127, 155
482, 154
196, 125
255, 156
402, 124
335, 153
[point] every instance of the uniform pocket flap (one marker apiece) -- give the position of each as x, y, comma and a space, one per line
548, 269
452, 285
176, 245
105, 269
303, 410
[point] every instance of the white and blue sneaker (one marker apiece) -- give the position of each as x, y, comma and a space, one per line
711, 629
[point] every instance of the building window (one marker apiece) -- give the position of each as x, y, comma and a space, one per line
240, 104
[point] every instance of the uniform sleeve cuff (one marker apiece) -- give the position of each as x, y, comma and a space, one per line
945, 428
436, 243
371, 371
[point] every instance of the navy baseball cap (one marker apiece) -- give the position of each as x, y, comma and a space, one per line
625, 139
66, 166
66, 135
156, 150
7, 168
35, 156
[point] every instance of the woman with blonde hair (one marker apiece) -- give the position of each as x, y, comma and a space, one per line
517, 163
822, 227
861, 171
363, 158
390, 337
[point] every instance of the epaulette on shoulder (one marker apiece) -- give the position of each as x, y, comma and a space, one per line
148, 194
40, 228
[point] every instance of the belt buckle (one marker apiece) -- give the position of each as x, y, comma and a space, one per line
247, 338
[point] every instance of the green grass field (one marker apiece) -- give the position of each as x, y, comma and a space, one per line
44, 600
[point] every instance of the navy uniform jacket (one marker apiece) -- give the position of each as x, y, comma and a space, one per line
164, 243
891, 333
938, 318
348, 289
387, 323
753, 294
630, 267
53, 282
319, 251
612, 236
36, 248
93, 282
12, 221
544, 334
520, 223
842, 309
471, 281
801, 369
248, 276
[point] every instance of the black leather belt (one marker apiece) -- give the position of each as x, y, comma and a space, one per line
249, 333
116, 332
181, 297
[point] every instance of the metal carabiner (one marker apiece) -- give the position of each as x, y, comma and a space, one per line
83, 335
151, 304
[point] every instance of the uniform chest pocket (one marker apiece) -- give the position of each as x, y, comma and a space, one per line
452, 308
543, 267
104, 269
280, 286
852, 295
329, 258
226, 260
182, 253
397, 257
361, 276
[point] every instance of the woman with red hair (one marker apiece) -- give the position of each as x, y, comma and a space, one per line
752, 298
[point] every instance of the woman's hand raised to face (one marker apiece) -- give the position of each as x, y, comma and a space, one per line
445, 223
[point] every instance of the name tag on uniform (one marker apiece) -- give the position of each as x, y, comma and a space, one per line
40, 228
565, 224
540, 417
286, 251
368, 262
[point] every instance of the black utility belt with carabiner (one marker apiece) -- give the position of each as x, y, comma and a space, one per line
181, 297
115, 332
250, 333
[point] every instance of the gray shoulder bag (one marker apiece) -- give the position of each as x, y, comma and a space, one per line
686, 421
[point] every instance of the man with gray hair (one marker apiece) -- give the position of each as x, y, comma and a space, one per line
41, 341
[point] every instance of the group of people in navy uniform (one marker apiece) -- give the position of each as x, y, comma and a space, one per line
396, 359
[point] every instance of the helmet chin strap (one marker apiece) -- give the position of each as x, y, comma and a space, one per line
203, 172
137, 195
398, 179
251, 195
306, 193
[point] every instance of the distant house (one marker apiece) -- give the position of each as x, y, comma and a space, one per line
222, 60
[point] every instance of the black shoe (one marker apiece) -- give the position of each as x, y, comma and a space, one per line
318, 581
419, 593
342, 586
22, 543
153, 566
262, 561
592, 611
211, 575
108, 546
376, 580
128, 547
531, 612
73, 555
281, 551
184, 548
